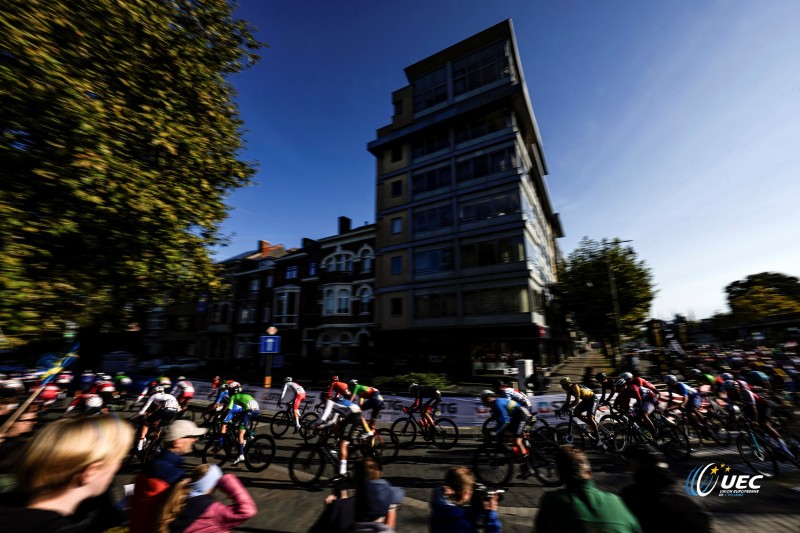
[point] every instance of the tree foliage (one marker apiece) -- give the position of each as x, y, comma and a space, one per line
762, 295
585, 284
120, 140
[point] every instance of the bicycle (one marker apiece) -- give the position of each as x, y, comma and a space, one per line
309, 461
282, 420
761, 453
493, 462
259, 450
443, 436
539, 428
152, 445
674, 442
571, 432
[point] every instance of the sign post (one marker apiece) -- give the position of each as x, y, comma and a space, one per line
270, 344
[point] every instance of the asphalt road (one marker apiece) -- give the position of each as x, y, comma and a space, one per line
283, 507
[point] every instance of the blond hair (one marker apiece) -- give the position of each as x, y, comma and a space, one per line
176, 500
66, 447
461, 480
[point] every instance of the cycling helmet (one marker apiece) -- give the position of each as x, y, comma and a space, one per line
727, 376
620, 382
335, 378
564, 381
413, 387
627, 376
600, 376
159, 389
164, 380
181, 378
287, 380
237, 389
105, 377
730, 385
695, 372
499, 384
486, 394
120, 373
353, 382
233, 384
224, 386
670, 379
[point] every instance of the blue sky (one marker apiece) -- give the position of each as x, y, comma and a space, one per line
672, 123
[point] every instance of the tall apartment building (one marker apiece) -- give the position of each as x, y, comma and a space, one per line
466, 250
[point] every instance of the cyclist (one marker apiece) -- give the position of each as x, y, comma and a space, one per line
87, 380
425, 410
338, 388
165, 409
123, 384
183, 391
245, 408
104, 387
150, 389
754, 408
512, 418
87, 403
295, 393
503, 390
692, 399
368, 398
352, 415
582, 402
646, 401
606, 386
215, 383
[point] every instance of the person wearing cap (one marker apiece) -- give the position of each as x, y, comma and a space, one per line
161, 474
654, 495
580, 505
452, 510
191, 507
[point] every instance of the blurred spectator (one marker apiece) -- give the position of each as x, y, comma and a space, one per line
191, 507
453, 509
63, 477
537, 381
581, 506
654, 495
588, 377
161, 474
372, 508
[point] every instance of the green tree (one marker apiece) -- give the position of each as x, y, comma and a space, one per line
604, 286
777, 285
762, 302
120, 140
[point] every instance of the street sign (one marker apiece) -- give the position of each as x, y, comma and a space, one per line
270, 344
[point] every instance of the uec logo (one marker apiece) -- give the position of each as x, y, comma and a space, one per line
698, 483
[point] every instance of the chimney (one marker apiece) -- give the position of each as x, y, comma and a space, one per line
264, 247
344, 225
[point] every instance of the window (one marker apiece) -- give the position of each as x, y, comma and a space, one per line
291, 272
267, 314
494, 252
433, 261
343, 301
493, 301
431, 143
485, 164
366, 260
396, 188
268, 282
480, 68
312, 269
397, 225
396, 305
489, 207
433, 218
247, 314
397, 264
342, 262
286, 306
434, 305
430, 89
364, 301
480, 127
329, 302
397, 153
431, 179
253, 287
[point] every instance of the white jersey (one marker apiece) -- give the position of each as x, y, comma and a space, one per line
182, 386
518, 397
161, 400
290, 391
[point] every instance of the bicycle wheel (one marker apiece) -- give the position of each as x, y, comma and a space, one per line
793, 443
607, 427
543, 434
306, 465
386, 444
306, 431
213, 452
755, 453
621, 438
493, 464
719, 433
405, 430
259, 453
445, 433
279, 424
567, 433
543, 461
675, 444
489, 427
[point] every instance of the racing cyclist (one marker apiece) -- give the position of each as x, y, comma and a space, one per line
582, 402
502, 389
165, 409
425, 409
367, 398
512, 418
295, 393
183, 391
754, 408
352, 415
692, 399
646, 402
247, 409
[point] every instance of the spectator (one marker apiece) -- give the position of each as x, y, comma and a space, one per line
372, 508
191, 507
537, 381
161, 474
452, 510
652, 496
63, 476
588, 377
581, 506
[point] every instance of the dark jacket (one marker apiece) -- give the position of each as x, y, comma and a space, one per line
447, 517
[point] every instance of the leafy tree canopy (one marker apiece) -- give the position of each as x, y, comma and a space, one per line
119, 138
762, 295
598, 275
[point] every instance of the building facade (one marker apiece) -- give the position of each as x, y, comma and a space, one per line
466, 235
